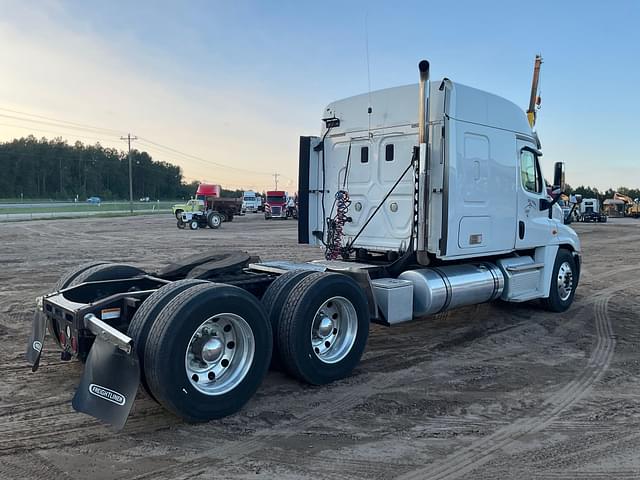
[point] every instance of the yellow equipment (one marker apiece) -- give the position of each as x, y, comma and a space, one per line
631, 206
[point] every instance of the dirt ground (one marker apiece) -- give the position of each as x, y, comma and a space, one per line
487, 392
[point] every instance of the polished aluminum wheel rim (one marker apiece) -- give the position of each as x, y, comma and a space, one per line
565, 281
334, 329
219, 354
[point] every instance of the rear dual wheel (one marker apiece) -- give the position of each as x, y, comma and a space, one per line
145, 316
207, 351
322, 327
273, 301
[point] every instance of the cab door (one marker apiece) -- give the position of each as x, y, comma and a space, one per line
534, 226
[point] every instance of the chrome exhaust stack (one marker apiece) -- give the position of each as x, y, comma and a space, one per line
423, 67
422, 200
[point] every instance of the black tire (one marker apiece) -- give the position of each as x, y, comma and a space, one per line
214, 220
273, 301
64, 281
555, 302
147, 313
181, 225
106, 271
224, 217
230, 217
178, 214
298, 314
168, 340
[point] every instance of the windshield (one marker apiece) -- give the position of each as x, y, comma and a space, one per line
278, 199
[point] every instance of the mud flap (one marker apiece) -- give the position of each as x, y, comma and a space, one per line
36, 339
109, 383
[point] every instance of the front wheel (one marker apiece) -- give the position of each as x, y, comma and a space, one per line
193, 225
323, 328
208, 351
564, 281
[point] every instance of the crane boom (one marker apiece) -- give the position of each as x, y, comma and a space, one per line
534, 99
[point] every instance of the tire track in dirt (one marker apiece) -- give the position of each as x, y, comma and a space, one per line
60, 426
233, 451
329, 466
481, 451
35, 467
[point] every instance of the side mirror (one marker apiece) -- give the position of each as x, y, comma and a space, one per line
545, 204
558, 176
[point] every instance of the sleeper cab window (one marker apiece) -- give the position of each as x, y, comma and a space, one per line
529, 172
388, 152
364, 154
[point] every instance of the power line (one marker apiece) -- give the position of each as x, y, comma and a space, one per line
51, 132
84, 125
57, 125
213, 162
66, 124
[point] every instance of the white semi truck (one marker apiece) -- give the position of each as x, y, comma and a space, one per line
590, 211
423, 198
250, 202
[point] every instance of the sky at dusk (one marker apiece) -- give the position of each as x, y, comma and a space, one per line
225, 89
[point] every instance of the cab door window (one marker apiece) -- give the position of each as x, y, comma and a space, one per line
530, 172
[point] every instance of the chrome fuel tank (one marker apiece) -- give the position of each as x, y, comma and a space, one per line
437, 289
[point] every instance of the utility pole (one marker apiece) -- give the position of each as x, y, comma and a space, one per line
275, 176
128, 138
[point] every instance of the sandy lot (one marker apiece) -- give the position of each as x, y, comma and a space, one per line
493, 391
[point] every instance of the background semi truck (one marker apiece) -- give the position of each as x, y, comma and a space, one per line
590, 211
276, 204
423, 199
251, 202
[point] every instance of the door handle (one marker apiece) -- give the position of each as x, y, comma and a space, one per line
521, 229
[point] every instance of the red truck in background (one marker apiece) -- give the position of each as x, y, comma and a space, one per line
276, 204
211, 196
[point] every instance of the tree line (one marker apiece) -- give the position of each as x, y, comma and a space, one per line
592, 192
53, 169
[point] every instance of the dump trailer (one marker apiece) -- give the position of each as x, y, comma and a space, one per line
212, 201
423, 198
